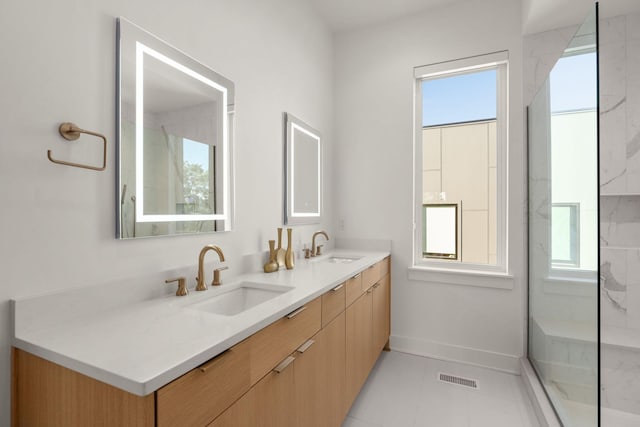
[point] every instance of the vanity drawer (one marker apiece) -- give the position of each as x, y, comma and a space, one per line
333, 303
267, 347
353, 289
202, 394
385, 266
371, 275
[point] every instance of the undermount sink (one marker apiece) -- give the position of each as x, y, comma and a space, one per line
336, 259
239, 299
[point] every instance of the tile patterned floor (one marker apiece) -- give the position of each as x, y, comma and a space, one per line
403, 391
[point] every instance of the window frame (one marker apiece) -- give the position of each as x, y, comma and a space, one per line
500, 62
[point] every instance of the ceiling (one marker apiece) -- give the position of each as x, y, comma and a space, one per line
537, 15
342, 15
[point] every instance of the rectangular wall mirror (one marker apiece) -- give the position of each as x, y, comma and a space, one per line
303, 146
175, 129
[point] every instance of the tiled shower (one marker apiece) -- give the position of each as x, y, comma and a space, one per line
620, 213
564, 328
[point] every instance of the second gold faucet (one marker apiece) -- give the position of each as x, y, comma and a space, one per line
201, 285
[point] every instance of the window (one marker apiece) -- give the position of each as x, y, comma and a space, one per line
460, 169
565, 233
573, 134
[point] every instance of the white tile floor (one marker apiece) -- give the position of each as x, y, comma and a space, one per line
403, 391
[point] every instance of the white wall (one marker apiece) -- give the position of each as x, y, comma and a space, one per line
58, 223
374, 161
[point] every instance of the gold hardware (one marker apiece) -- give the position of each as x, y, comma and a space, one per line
214, 361
307, 253
337, 288
71, 132
318, 250
272, 264
201, 285
182, 286
283, 365
356, 276
294, 313
304, 347
216, 275
280, 253
289, 259
313, 242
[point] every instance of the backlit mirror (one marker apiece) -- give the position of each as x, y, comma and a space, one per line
175, 128
303, 145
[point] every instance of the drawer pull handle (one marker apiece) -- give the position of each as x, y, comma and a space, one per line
376, 285
304, 347
370, 289
337, 288
356, 276
283, 365
296, 312
214, 361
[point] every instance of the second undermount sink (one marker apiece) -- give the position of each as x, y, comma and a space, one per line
343, 259
339, 259
241, 298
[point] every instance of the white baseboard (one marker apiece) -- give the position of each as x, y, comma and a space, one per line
471, 356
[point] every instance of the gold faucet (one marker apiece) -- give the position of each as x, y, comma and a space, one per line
316, 251
201, 286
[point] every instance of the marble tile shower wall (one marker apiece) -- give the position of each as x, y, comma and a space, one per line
620, 212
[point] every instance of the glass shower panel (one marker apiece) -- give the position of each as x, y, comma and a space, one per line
563, 231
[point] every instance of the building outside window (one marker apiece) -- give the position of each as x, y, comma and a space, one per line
460, 171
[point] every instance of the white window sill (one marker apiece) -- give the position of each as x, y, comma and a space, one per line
481, 279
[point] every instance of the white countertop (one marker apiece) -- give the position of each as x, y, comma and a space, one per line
143, 345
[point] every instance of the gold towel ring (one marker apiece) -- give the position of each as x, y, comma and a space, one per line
71, 132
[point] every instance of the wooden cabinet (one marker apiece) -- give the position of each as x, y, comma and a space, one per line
359, 342
381, 300
367, 328
47, 394
320, 380
353, 289
267, 404
333, 303
306, 389
305, 369
273, 343
205, 392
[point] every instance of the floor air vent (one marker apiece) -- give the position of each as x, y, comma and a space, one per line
458, 380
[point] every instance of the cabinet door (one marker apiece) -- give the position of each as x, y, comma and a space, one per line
201, 395
359, 344
269, 403
334, 367
319, 377
381, 315
308, 375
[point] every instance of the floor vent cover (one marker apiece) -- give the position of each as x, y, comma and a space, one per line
458, 380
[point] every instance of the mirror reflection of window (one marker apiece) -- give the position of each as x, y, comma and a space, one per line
307, 177
565, 232
196, 178
440, 225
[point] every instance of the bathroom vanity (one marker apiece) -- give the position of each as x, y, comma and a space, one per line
296, 351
